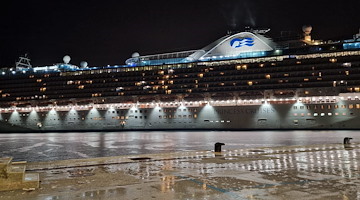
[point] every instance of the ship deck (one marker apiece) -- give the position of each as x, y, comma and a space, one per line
298, 172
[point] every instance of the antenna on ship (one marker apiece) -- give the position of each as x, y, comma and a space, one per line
23, 63
83, 64
357, 36
66, 59
307, 32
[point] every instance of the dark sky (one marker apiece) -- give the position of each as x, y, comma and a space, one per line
109, 31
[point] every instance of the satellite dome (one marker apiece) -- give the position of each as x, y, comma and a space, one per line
135, 55
307, 29
66, 59
83, 64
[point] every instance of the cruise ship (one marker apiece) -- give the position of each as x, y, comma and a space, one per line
242, 81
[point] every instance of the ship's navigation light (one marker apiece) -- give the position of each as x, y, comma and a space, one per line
347, 64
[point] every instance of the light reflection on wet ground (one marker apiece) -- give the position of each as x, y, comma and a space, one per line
60, 146
328, 171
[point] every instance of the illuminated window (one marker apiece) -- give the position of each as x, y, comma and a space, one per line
267, 76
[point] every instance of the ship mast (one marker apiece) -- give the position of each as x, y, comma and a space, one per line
24, 62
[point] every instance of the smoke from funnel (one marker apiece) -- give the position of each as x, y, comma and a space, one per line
237, 14
250, 17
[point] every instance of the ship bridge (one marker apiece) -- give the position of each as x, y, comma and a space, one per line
239, 45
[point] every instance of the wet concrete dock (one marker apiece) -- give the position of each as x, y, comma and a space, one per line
329, 171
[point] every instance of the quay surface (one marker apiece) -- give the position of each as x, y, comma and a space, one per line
329, 171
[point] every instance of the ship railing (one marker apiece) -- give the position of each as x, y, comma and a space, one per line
235, 102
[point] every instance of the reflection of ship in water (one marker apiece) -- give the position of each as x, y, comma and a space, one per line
241, 81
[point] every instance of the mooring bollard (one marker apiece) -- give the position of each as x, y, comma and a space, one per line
218, 146
347, 140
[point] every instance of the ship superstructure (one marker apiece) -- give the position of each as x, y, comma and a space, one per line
241, 81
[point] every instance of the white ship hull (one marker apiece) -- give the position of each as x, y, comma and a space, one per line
319, 113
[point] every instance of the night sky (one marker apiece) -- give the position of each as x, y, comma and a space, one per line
109, 31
